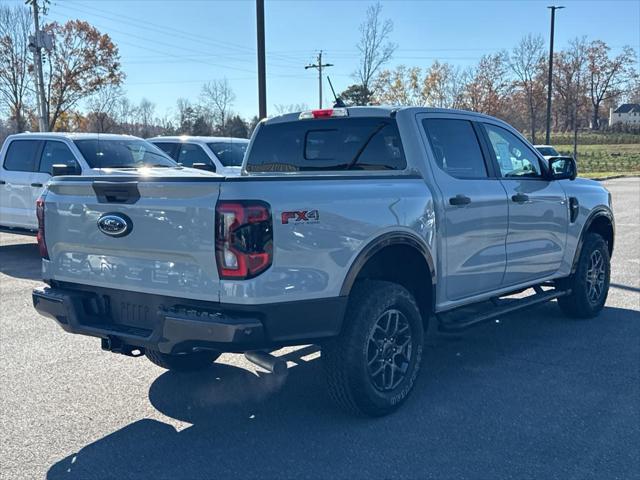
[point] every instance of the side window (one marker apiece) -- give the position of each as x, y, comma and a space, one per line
21, 155
170, 149
190, 154
514, 157
456, 148
56, 153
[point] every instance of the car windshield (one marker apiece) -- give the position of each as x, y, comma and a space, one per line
230, 154
122, 153
547, 151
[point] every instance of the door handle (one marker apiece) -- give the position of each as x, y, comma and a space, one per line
2, 182
459, 200
36, 185
520, 198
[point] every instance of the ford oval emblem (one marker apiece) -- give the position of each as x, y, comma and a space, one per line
115, 224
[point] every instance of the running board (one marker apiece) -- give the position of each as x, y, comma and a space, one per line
468, 316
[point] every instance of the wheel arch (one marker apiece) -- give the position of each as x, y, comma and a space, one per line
379, 257
600, 221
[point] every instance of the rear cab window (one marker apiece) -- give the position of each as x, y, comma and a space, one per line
333, 144
22, 155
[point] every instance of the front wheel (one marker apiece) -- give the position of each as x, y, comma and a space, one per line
372, 367
183, 362
589, 284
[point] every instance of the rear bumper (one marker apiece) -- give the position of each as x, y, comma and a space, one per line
173, 325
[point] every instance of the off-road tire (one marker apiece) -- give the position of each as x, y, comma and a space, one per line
578, 303
183, 362
345, 358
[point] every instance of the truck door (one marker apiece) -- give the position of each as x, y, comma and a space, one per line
473, 221
17, 207
538, 212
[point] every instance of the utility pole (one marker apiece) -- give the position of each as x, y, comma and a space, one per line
37, 42
262, 80
319, 66
550, 84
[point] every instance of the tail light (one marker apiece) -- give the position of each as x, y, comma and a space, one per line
42, 244
244, 239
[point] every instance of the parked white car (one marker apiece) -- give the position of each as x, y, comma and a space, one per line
547, 151
27, 160
222, 155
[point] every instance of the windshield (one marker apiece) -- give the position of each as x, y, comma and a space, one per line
122, 153
230, 154
547, 151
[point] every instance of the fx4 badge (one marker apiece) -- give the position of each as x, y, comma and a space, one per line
302, 216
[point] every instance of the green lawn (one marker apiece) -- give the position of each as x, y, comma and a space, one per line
614, 159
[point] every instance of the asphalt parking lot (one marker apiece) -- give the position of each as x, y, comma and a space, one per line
533, 396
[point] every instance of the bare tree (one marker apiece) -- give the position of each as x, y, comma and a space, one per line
441, 85
282, 108
374, 46
608, 77
488, 85
102, 108
527, 62
15, 80
146, 110
218, 97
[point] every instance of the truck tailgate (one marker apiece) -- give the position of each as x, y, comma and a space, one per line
169, 248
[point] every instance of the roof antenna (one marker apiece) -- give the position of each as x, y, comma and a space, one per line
339, 103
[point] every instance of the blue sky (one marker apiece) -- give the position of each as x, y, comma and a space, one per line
169, 48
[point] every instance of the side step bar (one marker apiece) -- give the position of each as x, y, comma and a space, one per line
464, 317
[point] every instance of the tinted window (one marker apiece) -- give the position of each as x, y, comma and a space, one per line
56, 153
230, 154
21, 155
190, 154
170, 149
548, 151
328, 144
456, 148
122, 153
514, 157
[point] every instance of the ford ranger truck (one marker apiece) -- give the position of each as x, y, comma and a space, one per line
350, 228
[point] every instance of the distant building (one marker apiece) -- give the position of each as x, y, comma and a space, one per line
628, 113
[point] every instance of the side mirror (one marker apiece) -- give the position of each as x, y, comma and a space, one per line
562, 168
204, 166
60, 169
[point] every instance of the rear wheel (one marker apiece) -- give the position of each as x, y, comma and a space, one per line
589, 284
372, 367
183, 362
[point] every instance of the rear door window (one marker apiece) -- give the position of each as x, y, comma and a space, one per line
365, 143
191, 153
56, 153
21, 155
230, 154
169, 148
455, 147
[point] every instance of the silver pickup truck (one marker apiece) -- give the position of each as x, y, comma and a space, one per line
349, 228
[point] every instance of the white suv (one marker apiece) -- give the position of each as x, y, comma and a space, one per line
27, 160
222, 155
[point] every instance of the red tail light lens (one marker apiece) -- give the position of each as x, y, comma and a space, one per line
42, 245
244, 238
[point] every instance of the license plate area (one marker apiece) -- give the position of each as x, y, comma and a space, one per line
132, 310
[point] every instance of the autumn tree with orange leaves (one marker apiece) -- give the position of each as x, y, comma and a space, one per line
82, 62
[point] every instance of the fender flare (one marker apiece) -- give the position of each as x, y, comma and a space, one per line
376, 245
593, 216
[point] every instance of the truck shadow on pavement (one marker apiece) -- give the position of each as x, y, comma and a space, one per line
528, 396
21, 260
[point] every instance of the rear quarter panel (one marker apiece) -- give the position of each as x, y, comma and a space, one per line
311, 259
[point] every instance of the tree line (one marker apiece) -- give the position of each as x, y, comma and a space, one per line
83, 80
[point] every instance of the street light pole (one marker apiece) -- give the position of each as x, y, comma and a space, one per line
262, 80
550, 84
